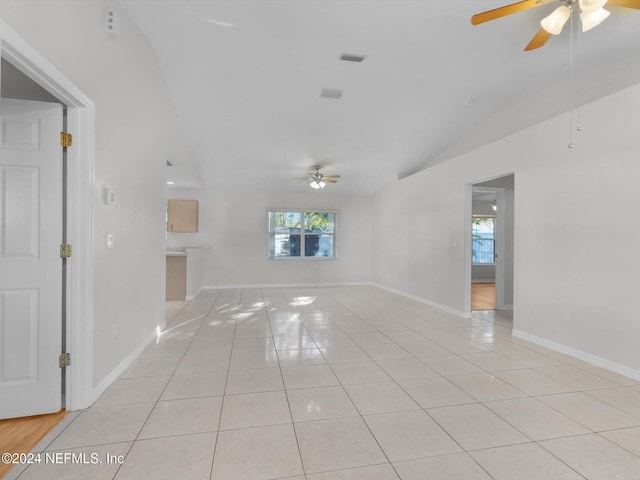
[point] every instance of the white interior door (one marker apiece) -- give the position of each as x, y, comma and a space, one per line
30, 264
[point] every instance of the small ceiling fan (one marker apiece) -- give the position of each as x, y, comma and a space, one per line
591, 13
317, 180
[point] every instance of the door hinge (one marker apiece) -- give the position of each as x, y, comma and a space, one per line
64, 360
66, 139
65, 250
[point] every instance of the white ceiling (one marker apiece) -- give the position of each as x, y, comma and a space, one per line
246, 76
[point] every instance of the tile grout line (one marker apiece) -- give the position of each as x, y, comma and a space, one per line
427, 413
361, 417
161, 393
338, 306
224, 393
286, 395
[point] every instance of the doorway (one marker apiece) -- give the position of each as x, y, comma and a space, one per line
491, 223
483, 248
31, 279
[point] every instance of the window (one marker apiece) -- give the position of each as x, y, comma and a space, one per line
301, 234
483, 239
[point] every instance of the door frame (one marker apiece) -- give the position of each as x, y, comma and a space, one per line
80, 214
500, 239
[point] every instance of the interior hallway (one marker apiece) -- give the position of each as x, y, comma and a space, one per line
349, 383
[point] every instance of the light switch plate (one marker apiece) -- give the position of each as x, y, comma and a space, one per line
108, 240
108, 195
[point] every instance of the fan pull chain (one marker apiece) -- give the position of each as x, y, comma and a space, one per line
571, 102
579, 89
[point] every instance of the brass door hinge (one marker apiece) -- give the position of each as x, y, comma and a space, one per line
65, 250
66, 139
64, 360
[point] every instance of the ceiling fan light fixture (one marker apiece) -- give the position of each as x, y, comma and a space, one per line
317, 185
554, 22
588, 6
593, 19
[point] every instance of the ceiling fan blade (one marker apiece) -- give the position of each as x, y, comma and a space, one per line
508, 10
329, 180
625, 3
331, 176
538, 40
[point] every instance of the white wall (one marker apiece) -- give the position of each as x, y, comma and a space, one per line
136, 131
483, 273
234, 224
576, 262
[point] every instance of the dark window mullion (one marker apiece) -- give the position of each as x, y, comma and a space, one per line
303, 247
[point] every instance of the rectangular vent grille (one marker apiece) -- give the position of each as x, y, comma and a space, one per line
332, 93
352, 57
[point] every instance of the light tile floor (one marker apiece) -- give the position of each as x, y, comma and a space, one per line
349, 383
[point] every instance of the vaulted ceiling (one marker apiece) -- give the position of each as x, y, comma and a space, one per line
246, 79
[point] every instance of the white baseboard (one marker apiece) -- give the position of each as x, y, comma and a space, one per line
505, 307
439, 306
121, 367
444, 308
580, 355
286, 285
191, 297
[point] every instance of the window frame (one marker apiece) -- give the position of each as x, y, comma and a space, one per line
303, 234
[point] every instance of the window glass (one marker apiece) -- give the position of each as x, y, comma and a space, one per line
318, 245
483, 240
321, 222
285, 221
301, 234
286, 245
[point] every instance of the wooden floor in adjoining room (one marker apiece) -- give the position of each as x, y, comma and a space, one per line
483, 296
20, 435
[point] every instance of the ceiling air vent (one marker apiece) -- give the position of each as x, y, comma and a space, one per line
333, 93
352, 57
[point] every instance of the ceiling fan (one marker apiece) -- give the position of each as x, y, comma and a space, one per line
317, 180
591, 12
